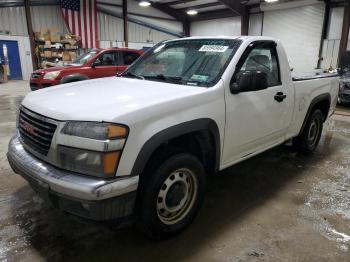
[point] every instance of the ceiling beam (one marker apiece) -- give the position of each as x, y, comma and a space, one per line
213, 15
196, 7
178, 15
179, 2
234, 5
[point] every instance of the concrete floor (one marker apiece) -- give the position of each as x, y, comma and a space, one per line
278, 206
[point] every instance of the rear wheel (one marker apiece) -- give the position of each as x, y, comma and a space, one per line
308, 140
171, 195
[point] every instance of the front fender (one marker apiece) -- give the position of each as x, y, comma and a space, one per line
175, 131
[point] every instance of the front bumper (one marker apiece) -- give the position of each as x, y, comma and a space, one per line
93, 198
39, 83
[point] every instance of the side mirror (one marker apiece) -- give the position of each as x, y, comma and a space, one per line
96, 63
249, 81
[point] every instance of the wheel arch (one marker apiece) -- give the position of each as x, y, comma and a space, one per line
321, 102
199, 128
73, 78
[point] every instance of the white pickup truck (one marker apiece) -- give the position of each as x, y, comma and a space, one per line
139, 146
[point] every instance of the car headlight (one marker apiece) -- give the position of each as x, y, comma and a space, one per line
95, 130
99, 164
91, 162
51, 75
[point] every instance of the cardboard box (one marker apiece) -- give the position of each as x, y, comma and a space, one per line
72, 55
45, 34
66, 56
55, 35
47, 54
47, 44
38, 36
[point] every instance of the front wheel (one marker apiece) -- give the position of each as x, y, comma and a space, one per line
308, 140
171, 195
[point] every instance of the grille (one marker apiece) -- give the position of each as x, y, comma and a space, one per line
36, 75
36, 131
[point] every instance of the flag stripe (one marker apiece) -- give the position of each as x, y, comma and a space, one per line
73, 22
86, 18
95, 29
80, 17
79, 24
90, 20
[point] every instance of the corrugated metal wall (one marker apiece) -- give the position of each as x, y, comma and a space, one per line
13, 21
47, 16
142, 34
111, 29
299, 30
224, 26
331, 45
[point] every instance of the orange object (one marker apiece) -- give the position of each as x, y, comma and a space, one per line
110, 162
116, 131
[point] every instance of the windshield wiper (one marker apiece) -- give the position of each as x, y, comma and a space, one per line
129, 74
173, 79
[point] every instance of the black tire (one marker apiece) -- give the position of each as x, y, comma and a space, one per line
308, 140
186, 190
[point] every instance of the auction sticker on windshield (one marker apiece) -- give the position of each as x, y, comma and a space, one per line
213, 48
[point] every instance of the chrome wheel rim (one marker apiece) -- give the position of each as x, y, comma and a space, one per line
314, 131
176, 196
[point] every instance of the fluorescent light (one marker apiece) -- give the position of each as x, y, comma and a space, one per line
271, 1
144, 3
192, 12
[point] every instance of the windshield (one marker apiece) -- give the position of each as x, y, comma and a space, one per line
198, 62
85, 57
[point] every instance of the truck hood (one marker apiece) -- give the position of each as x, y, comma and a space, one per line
105, 99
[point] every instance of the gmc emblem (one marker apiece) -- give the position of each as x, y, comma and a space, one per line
29, 128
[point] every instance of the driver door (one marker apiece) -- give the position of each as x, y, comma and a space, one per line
255, 120
107, 64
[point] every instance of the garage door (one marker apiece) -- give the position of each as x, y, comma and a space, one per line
300, 31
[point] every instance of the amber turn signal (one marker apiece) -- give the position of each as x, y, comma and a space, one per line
116, 131
110, 162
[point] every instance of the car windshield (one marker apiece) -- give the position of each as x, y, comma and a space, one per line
85, 57
198, 62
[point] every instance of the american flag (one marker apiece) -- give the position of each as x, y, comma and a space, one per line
80, 17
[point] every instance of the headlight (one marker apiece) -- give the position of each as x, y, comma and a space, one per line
99, 131
102, 162
51, 75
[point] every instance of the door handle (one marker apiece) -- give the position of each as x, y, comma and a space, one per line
279, 97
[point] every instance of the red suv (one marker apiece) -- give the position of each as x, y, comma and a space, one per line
94, 64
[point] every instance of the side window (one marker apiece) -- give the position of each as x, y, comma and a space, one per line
129, 57
262, 57
107, 59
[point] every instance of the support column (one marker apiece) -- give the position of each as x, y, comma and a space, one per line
324, 31
31, 34
344, 33
186, 26
245, 22
125, 22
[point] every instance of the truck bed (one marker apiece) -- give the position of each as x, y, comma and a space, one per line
316, 76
